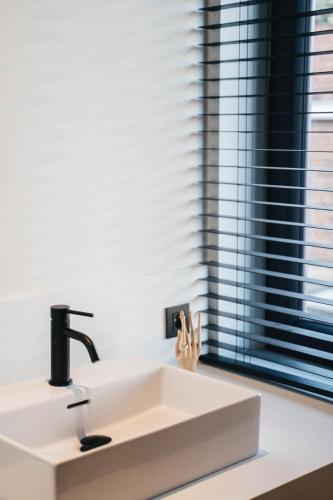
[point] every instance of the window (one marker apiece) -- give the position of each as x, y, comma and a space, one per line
268, 189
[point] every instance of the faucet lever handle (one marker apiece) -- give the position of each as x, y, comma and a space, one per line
80, 313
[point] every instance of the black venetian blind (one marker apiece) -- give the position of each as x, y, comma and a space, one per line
268, 189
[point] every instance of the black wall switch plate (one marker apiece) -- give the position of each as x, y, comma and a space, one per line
172, 319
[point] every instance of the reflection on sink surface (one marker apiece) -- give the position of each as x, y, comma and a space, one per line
168, 427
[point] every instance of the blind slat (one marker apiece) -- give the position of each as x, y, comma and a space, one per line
266, 255
245, 131
283, 327
265, 272
270, 113
280, 77
262, 167
270, 186
267, 58
268, 94
260, 20
313, 244
235, 5
271, 149
269, 221
269, 203
271, 291
268, 38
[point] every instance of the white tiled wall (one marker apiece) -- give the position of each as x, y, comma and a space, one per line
99, 179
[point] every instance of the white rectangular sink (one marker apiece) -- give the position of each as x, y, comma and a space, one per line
168, 427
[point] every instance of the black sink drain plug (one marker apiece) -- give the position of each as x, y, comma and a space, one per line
93, 441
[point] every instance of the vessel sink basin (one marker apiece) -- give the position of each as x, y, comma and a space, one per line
168, 427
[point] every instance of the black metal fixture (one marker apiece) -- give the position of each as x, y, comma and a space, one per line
94, 441
172, 319
60, 335
79, 403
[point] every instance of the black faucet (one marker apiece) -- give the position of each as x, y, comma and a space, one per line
60, 335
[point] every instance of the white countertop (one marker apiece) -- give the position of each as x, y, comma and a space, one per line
296, 438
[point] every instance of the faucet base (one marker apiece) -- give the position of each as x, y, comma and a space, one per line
61, 384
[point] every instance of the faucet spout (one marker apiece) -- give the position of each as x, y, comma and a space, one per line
85, 340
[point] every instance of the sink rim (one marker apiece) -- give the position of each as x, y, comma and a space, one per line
48, 393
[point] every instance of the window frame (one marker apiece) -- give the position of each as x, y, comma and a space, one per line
297, 140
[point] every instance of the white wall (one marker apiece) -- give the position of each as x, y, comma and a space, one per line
99, 179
